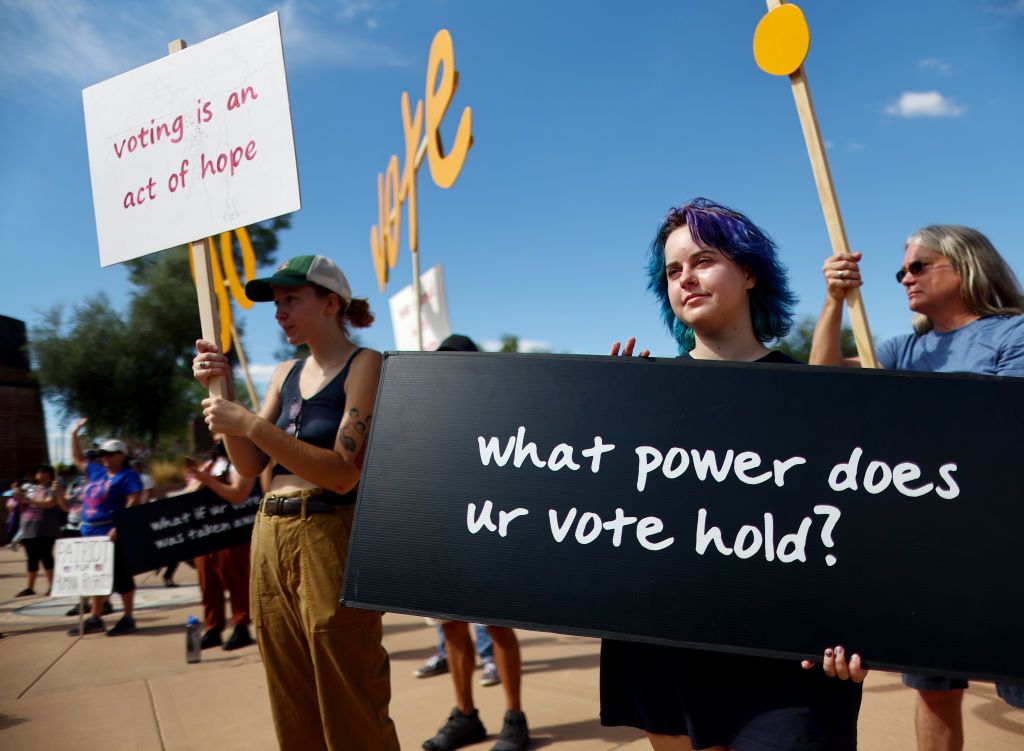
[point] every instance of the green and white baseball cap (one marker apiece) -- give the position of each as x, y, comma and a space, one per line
298, 271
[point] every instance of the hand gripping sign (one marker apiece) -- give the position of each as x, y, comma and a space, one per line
781, 42
190, 146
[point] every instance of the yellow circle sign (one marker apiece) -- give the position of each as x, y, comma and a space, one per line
781, 41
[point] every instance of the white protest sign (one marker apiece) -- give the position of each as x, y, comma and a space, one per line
83, 566
436, 326
193, 144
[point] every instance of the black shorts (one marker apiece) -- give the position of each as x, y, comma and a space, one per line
38, 550
933, 682
124, 582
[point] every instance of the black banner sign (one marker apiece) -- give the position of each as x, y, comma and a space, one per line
761, 509
175, 529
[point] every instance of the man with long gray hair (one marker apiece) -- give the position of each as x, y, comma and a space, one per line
969, 318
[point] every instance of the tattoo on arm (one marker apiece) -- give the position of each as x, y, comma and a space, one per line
351, 420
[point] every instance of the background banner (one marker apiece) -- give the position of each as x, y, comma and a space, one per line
763, 509
173, 529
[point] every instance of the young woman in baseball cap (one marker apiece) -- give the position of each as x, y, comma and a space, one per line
327, 671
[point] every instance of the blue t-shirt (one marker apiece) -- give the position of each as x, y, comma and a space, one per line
94, 471
103, 496
989, 346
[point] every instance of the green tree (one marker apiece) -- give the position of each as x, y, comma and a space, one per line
509, 343
798, 344
128, 372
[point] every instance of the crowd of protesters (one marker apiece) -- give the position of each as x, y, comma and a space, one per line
722, 290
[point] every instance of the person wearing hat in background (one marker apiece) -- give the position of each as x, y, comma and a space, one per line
40, 525
117, 487
463, 725
328, 674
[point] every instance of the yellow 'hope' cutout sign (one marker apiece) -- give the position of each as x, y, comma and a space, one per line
781, 41
394, 186
225, 278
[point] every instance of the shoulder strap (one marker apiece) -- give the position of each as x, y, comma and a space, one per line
336, 388
351, 359
288, 385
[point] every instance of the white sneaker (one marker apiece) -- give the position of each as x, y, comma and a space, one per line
490, 677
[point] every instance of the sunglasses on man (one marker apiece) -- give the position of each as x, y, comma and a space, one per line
914, 267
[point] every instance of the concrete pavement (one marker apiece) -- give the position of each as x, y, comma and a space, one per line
137, 691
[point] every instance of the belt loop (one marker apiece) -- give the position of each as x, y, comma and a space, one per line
305, 500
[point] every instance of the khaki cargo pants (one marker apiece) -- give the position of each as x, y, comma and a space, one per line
328, 675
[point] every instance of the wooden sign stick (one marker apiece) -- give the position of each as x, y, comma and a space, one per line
829, 203
249, 385
421, 151
204, 282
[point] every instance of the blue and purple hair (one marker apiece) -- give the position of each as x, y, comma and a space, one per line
739, 239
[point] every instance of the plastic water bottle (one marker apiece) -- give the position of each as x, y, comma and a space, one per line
193, 640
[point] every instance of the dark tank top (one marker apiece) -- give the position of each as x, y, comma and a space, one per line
315, 420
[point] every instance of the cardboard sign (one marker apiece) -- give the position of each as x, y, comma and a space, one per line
752, 508
193, 144
436, 327
179, 528
83, 566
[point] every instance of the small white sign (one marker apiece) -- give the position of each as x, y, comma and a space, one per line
193, 144
434, 302
83, 566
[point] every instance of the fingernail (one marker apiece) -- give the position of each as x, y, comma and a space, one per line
828, 653
839, 650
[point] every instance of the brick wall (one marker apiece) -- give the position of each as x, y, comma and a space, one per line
22, 428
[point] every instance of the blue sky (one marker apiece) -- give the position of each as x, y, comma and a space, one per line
590, 120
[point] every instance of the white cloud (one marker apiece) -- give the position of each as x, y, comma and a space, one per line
1007, 8
934, 63
261, 373
86, 41
924, 104
313, 39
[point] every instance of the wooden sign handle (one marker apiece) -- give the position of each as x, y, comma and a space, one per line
240, 351
204, 282
208, 306
829, 204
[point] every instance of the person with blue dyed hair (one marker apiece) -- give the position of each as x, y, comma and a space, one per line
724, 295
720, 231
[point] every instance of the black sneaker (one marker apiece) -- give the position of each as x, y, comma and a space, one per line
91, 625
460, 730
124, 626
239, 638
76, 610
211, 639
514, 735
435, 665
25, 592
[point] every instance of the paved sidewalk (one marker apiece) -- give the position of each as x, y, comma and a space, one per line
137, 691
